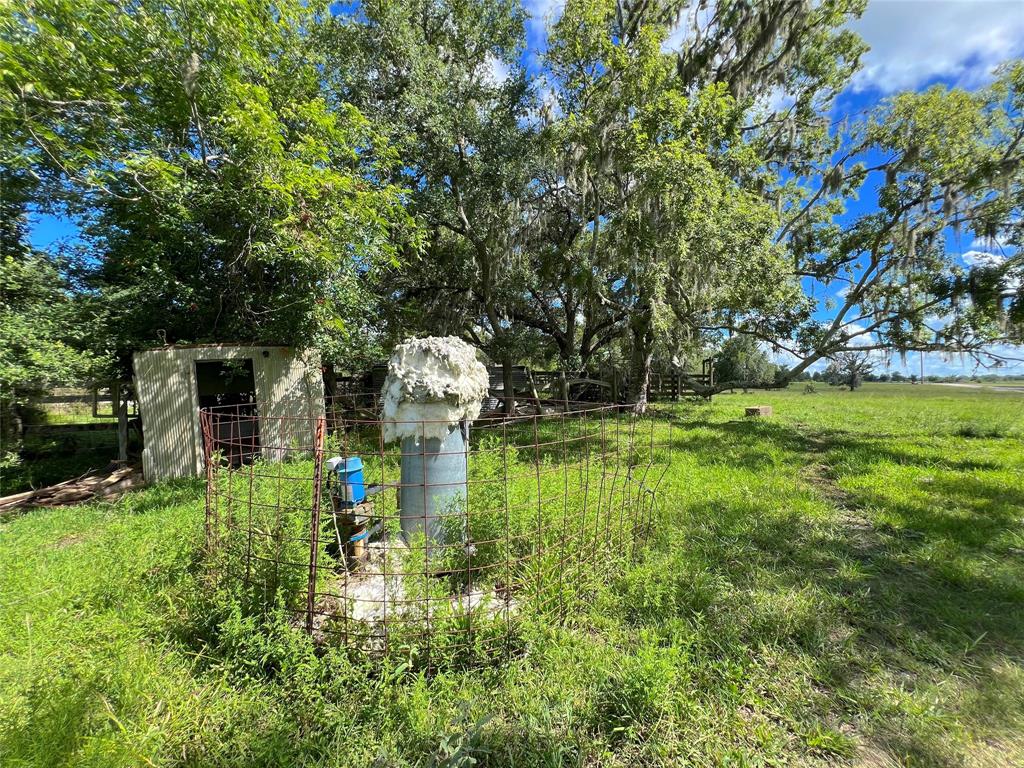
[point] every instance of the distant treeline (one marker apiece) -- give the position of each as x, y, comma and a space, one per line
913, 378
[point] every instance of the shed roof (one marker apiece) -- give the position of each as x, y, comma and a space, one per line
215, 345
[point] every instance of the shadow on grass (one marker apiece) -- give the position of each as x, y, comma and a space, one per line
995, 506
744, 441
931, 600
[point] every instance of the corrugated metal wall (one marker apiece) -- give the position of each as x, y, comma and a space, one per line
287, 385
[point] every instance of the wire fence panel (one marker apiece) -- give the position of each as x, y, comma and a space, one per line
436, 549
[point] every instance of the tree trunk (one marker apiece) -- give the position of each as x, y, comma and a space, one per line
508, 386
12, 427
643, 354
330, 381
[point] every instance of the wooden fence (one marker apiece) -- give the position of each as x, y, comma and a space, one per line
607, 385
79, 416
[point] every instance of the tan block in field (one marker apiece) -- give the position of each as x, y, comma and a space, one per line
759, 410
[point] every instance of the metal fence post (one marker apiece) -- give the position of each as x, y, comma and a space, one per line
314, 520
204, 419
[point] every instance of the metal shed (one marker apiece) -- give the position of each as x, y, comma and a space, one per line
172, 384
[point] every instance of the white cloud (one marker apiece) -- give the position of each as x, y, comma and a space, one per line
935, 363
495, 71
544, 10
548, 98
938, 321
546, 104
986, 259
778, 355
955, 364
692, 17
777, 100
913, 41
861, 338
982, 259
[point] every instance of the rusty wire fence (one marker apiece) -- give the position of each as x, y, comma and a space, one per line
532, 513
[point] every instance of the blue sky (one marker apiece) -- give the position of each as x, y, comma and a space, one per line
914, 44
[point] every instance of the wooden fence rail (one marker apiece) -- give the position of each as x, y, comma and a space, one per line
607, 385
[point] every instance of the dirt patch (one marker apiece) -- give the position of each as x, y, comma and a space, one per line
821, 477
359, 604
70, 540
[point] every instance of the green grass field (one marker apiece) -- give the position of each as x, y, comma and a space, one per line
841, 583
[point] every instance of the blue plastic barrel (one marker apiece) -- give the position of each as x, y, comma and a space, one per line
433, 493
351, 486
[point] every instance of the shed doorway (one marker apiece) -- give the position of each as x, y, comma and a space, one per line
228, 387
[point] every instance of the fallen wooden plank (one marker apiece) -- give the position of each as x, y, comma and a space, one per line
121, 487
64, 497
79, 489
15, 498
28, 496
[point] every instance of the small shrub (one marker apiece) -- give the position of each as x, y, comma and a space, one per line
636, 692
462, 747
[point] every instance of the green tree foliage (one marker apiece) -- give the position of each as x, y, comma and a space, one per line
666, 172
223, 195
610, 200
432, 77
742, 363
850, 369
37, 323
336, 177
951, 160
